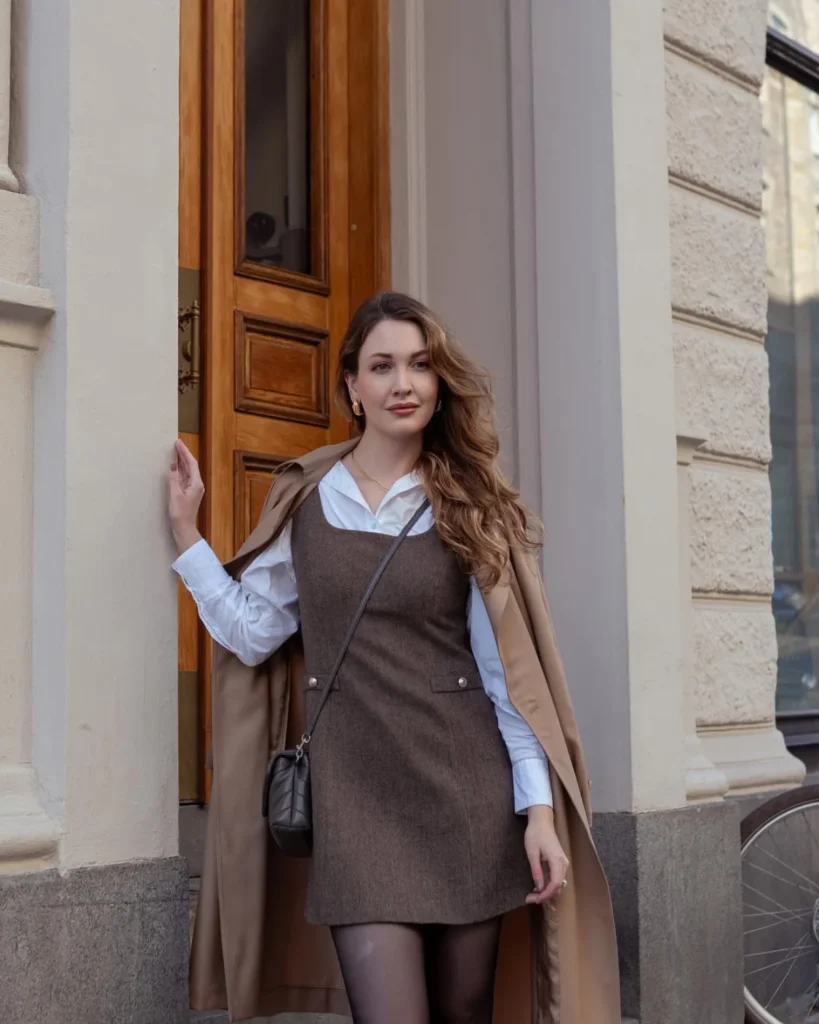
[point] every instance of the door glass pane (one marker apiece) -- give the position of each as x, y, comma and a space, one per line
277, 134
791, 216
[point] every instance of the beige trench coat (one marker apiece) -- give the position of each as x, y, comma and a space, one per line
254, 953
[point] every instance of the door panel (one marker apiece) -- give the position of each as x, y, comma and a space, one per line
273, 340
286, 241
282, 370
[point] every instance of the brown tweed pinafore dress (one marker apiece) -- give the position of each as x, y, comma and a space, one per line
413, 808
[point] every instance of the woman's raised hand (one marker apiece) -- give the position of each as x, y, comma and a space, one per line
185, 493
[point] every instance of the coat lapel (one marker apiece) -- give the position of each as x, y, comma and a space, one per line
294, 482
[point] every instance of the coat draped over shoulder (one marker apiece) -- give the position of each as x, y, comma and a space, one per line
254, 954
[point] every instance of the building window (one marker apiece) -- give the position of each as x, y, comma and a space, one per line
790, 110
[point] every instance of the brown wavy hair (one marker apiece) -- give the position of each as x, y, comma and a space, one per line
478, 514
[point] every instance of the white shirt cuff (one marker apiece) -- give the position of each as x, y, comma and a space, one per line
200, 569
532, 784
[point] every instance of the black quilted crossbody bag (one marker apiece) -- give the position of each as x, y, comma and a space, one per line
286, 799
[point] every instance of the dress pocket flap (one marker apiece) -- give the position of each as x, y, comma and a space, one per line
316, 683
456, 681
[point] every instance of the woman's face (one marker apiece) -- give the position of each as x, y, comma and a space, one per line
397, 388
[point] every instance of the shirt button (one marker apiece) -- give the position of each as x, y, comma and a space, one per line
462, 682
312, 681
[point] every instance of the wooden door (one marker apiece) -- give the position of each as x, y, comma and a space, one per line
294, 202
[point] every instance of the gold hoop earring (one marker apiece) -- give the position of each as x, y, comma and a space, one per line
356, 407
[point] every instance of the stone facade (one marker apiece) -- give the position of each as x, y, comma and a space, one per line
621, 306
715, 55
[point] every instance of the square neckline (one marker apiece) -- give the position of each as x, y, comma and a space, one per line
363, 502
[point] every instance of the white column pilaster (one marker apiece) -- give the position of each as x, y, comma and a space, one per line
28, 836
605, 363
101, 144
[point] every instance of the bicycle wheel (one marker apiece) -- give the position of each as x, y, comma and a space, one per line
780, 904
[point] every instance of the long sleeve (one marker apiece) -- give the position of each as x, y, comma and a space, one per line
530, 767
253, 616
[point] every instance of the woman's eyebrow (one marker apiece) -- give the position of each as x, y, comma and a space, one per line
390, 355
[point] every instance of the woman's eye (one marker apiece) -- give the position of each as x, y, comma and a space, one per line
379, 367
422, 365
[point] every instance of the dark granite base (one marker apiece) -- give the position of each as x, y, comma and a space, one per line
675, 883
102, 945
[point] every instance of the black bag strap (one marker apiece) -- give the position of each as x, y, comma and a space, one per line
368, 593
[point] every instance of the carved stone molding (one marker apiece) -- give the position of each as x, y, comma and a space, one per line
24, 314
28, 837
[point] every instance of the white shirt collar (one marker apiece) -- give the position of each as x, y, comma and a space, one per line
340, 479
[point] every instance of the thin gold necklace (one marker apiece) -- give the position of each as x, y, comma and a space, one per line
364, 472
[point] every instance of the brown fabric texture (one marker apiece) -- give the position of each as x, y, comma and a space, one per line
254, 952
413, 811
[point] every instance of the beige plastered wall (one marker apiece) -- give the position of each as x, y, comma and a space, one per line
600, 250
517, 246
88, 254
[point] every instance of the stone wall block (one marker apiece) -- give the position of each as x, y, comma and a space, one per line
102, 945
734, 665
714, 131
718, 262
730, 530
730, 33
722, 391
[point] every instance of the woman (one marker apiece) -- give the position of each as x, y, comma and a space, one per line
435, 810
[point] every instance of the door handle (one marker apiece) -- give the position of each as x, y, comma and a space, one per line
189, 331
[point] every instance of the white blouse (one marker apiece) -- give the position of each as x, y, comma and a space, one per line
254, 616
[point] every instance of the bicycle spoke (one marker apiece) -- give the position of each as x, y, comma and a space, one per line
777, 921
798, 874
796, 948
765, 896
772, 952
798, 953
758, 912
785, 881
810, 827
811, 984
781, 983
781, 915
780, 902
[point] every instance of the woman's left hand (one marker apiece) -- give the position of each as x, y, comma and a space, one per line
543, 847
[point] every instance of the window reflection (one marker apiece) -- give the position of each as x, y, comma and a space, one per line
277, 134
791, 216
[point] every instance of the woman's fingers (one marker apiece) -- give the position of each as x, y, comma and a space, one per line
186, 462
558, 866
536, 866
188, 468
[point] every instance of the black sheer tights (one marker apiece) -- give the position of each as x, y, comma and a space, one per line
428, 974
